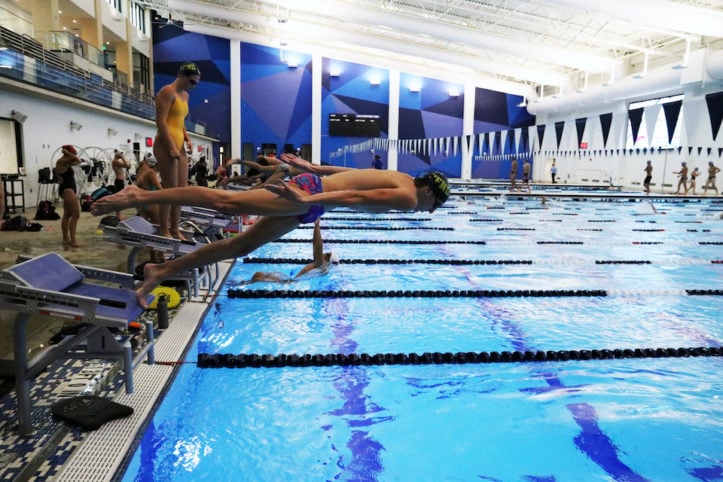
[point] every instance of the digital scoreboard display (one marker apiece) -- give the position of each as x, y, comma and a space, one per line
354, 125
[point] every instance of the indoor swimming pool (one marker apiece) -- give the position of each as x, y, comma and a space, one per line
486, 277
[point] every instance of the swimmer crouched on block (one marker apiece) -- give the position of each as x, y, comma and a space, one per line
282, 207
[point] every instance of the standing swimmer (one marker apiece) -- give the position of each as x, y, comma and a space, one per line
171, 112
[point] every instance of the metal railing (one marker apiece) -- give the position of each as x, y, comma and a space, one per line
25, 59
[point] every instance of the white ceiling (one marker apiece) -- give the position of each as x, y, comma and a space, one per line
510, 45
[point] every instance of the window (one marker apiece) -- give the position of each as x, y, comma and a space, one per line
117, 4
138, 17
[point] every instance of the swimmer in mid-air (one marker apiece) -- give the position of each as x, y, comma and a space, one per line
282, 207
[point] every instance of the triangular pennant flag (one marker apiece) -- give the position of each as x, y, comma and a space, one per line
580, 126
715, 111
636, 117
559, 126
524, 145
540, 134
605, 122
672, 111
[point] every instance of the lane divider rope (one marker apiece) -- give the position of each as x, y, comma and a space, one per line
472, 262
241, 293
227, 360
502, 243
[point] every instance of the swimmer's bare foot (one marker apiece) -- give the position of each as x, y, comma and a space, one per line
178, 235
123, 199
151, 278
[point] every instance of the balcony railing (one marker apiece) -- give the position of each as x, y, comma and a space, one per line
25, 59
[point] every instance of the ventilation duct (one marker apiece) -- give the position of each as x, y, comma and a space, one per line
703, 67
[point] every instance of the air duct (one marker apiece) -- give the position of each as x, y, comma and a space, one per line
703, 67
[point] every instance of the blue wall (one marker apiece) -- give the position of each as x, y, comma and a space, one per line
353, 89
275, 98
276, 106
210, 101
428, 111
495, 112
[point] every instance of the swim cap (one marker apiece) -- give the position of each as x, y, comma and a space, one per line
435, 180
150, 160
188, 69
333, 258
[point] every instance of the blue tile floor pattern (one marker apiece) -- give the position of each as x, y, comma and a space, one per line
40, 456
21, 455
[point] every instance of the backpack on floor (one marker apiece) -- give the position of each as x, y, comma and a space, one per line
46, 211
102, 192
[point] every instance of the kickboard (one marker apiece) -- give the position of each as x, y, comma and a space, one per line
173, 298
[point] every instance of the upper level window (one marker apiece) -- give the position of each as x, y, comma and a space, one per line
138, 17
117, 4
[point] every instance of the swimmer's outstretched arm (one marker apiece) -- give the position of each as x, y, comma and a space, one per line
318, 246
306, 166
371, 200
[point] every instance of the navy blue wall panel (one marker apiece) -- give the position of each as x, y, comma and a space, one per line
275, 98
350, 88
210, 101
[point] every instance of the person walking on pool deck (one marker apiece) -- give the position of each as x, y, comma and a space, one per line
171, 112
648, 176
526, 171
683, 178
513, 174
710, 182
283, 207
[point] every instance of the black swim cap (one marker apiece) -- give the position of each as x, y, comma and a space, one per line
188, 69
436, 181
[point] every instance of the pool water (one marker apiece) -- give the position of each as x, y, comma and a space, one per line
618, 419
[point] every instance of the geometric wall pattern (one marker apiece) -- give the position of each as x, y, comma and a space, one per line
209, 102
275, 98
